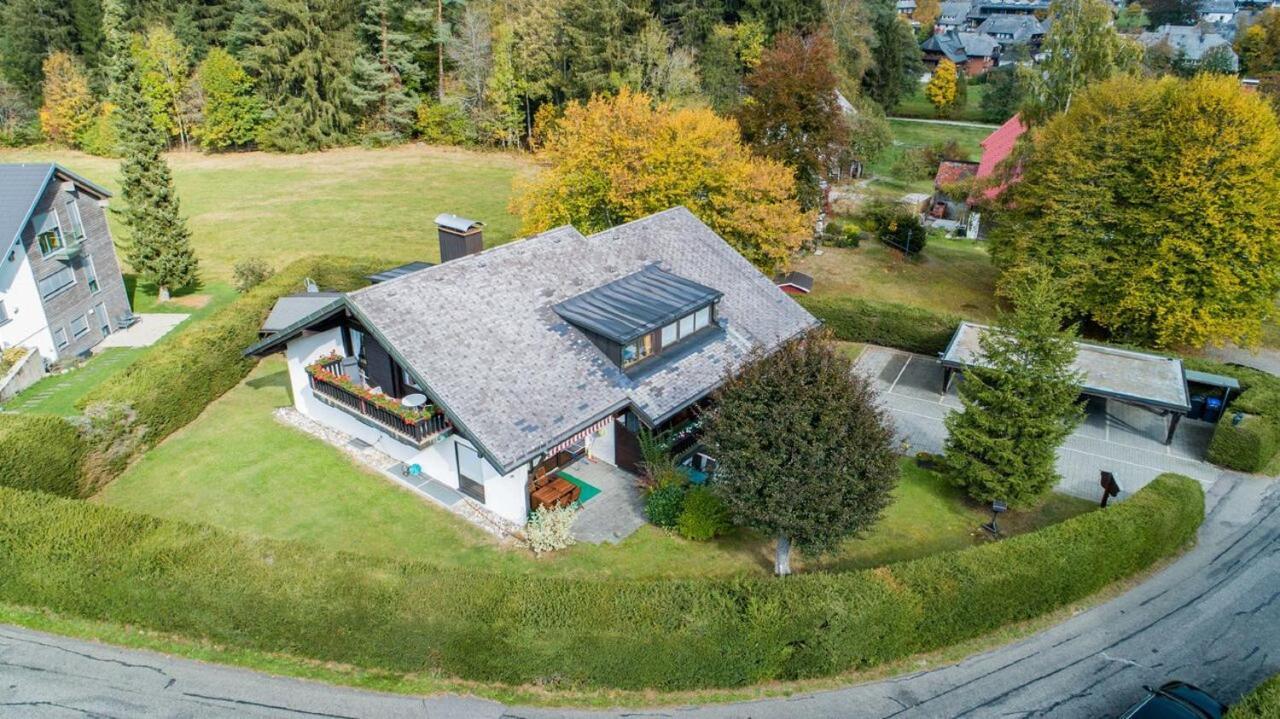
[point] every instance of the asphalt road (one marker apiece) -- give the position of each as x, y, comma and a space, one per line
1211, 618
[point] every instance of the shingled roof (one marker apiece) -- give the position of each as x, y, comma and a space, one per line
483, 336
22, 186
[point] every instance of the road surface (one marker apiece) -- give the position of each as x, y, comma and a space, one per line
1212, 618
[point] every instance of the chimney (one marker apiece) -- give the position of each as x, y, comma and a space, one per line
459, 236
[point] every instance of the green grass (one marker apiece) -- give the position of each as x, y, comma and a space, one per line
350, 201
949, 277
917, 105
58, 393
238, 468
1262, 703
908, 135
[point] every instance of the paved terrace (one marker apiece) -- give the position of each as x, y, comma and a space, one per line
1121, 438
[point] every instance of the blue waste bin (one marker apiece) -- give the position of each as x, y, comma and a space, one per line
1212, 409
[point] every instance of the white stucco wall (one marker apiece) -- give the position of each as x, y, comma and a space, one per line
28, 325
504, 495
602, 444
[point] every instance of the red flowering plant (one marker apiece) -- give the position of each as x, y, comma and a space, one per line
410, 415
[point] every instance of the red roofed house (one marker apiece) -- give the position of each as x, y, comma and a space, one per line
946, 206
996, 148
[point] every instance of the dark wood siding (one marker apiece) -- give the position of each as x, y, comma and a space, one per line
380, 370
626, 448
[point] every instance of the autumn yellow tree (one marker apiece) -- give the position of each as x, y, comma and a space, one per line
927, 13
1157, 205
615, 159
941, 89
68, 106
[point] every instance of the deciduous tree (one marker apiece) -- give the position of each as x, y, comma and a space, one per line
941, 89
1259, 44
804, 453
232, 110
1020, 399
615, 159
68, 106
165, 64
1005, 92
1081, 47
791, 113
1157, 203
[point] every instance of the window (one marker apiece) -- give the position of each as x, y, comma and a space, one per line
56, 282
48, 233
60, 338
701, 318
91, 274
104, 322
79, 327
686, 325
638, 350
669, 335
73, 212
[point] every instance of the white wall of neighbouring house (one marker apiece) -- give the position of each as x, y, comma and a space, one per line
505, 495
27, 325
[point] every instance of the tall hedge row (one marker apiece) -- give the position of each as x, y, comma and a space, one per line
105, 563
883, 323
173, 383
1246, 447
40, 452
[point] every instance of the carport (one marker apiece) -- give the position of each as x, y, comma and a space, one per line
1153, 382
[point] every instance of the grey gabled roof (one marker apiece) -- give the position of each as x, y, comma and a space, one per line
482, 335
636, 304
291, 308
1021, 27
21, 187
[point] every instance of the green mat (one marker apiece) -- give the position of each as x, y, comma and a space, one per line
588, 490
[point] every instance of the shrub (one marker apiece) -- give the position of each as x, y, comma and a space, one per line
40, 452
914, 164
104, 563
664, 504
9, 357
443, 123
883, 323
1261, 703
550, 528
703, 517
1246, 447
251, 272
842, 233
903, 231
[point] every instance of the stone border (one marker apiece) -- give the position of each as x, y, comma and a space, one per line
377, 461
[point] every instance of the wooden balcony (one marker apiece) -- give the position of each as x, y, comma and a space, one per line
408, 426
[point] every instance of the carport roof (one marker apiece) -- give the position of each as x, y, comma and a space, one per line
1136, 377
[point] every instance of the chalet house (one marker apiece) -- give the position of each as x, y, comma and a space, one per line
1191, 43
953, 15
983, 9
1009, 30
61, 290
972, 53
495, 368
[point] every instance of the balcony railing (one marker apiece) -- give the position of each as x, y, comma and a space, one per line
417, 428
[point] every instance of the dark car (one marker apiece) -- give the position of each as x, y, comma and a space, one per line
1176, 700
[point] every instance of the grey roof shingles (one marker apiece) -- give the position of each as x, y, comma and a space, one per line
482, 332
21, 186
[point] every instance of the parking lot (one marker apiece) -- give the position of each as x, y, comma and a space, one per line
1121, 438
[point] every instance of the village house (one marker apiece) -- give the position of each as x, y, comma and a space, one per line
972, 52
61, 291
1008, 30
1191, 44
494, 370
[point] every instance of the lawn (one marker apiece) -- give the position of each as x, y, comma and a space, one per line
351, 201
917, 105
908, 135
239, 468
950, 276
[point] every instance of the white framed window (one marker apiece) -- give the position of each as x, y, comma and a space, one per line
73, 214
670, 334
91, 274
701, 318
79, 327
686, 325
57, 282
48, 233
60, 337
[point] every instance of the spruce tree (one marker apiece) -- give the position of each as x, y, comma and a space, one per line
383, 69
30, 30
1020, 401
159, 244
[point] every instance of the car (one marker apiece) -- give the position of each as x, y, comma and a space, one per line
1176, 700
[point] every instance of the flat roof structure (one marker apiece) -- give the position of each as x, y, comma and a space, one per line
292, 308
636, 304
1140, 378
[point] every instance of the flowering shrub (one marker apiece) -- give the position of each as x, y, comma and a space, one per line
550, 528
409, 415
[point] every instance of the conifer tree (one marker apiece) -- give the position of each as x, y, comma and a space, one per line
159, 243
29, 31
387, 58
1020, 401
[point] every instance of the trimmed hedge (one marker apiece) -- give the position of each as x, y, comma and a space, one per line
106, 563
883, 323
40, 452
1246, 447
173, 383
1261, 703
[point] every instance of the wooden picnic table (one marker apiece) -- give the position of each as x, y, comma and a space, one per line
554, 493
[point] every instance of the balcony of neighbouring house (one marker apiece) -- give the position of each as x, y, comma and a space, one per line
412, 419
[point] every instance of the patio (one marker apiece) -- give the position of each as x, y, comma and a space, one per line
149, 329
612, 514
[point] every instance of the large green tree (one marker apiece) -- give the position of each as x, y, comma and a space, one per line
29, 32
232, 110
803, 451
1157, 204
158, 243
791, 113
1080, 48
1020, 399
896, 63
385, 67
304, 63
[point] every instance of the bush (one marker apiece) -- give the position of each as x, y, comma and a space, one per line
173, 382
903, 231
883, 323
664, 504
842, 233
550, 528
251, 272
703, 517
40, 452
1246, 447
443, 123
104, 563
1261, 703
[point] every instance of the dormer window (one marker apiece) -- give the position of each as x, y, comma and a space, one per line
642, 315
